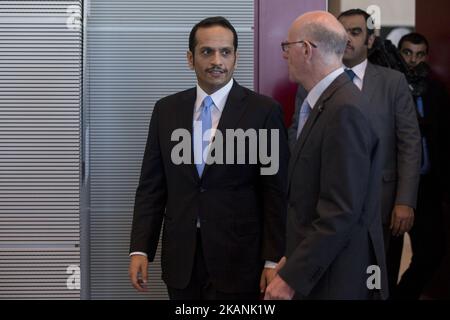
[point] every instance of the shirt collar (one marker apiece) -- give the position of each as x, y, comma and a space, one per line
219, 97
360, 69
315, 93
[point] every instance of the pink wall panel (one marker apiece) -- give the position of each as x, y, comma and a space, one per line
272, 21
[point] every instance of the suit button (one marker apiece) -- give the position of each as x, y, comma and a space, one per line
202, 190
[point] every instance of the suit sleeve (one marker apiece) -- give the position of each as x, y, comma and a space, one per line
409, 149
345, 158
151, 195
273, 190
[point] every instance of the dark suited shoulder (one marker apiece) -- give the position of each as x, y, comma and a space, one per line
171, 101
349, 100
389, 75
393, 80
349, 96
261, 103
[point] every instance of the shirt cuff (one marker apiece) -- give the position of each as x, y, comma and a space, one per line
270, 265
139, 253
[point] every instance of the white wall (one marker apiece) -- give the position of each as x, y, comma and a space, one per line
393, 13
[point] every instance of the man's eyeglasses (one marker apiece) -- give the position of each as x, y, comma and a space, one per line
284, 45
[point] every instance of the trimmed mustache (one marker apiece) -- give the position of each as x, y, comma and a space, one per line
215, 69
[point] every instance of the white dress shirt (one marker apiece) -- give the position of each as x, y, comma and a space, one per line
360, 71
219, 98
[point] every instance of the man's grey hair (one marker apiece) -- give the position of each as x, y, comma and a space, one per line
328, 40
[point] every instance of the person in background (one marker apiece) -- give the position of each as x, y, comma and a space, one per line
393, 115
427, 233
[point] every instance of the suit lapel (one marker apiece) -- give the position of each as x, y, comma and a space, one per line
185, 120
315, 113
231, 114
317, 110
370, 81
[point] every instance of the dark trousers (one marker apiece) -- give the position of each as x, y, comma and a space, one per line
439, 287
427, 242
200, 286
394, 248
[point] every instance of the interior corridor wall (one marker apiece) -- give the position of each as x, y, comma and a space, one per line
40, 110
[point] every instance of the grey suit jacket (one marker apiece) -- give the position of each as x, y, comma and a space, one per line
391, 111
334, 230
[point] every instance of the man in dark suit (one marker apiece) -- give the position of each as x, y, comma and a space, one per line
224, 224
334, 232
427, 234
392, 113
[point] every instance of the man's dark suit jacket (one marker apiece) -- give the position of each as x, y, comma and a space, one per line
242, 213
334, 230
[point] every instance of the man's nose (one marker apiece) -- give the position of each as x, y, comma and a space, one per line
349, 37
216, 58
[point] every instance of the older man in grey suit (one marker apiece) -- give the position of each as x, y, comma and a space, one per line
392, 113
334, 233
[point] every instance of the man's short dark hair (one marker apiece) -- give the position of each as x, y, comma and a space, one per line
367, 18
415, 38
210, 22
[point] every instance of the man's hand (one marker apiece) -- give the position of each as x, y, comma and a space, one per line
402, 220
138, 264
267, 276
278, 289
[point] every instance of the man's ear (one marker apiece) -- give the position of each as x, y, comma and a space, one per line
307, 49
236, 59
370, 41
190, 59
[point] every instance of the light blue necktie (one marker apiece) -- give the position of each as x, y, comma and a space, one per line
425, 156
351, 74
206, 120
305, 110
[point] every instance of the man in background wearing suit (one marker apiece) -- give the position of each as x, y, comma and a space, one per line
427, 233
334, 231
392, 113
224, 224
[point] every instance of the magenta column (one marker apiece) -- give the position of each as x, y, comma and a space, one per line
272, 21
